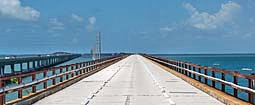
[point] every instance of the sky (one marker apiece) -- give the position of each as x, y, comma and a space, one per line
138, 26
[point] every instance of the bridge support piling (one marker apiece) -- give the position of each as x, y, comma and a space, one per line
12, 68
33, 64
1, 70
21, 67
28, 66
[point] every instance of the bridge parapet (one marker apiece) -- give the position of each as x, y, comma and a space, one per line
219, 79
49, 79
12, 66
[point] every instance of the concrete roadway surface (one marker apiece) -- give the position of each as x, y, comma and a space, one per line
134, 80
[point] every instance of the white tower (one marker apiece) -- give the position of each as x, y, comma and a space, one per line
96, 51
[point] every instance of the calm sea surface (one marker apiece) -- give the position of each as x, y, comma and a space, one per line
242, 63
233, 62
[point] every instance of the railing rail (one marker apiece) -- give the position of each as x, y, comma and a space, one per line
194, 71
65, 73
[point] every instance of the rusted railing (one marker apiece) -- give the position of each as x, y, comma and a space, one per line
201, 73
50, 77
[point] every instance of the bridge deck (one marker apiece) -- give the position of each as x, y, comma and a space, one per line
132, 81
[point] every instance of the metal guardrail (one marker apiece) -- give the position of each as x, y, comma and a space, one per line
61, 73
195, 71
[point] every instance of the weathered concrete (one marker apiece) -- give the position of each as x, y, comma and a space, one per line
132, 81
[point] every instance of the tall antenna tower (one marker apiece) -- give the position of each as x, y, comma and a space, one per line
96, 51
99, 45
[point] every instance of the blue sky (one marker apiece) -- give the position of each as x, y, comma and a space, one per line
148, 26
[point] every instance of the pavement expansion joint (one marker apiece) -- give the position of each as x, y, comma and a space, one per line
171, 81
127, 102
162, 89
185, 92
93, 94
92, 81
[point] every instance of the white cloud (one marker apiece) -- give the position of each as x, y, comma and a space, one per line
77, 17
166, 28
143, 32
204, 20
164, 31
55, 24
14, 9
92, 21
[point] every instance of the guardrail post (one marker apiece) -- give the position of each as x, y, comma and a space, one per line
235, 82
80, 65
199, 71
182, 67
60, 71
2, 95
93, 67
90, 63
20, 90
189, 69
84, 64
251, 86
223, 85
213, 82
175, 63
72, 74
67, 75
87, 68
206, 80
186, 67
84, 69
194, 75
44, 76
53, 73
77, 67
179, 65
33, 86
176, 66
72, 67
